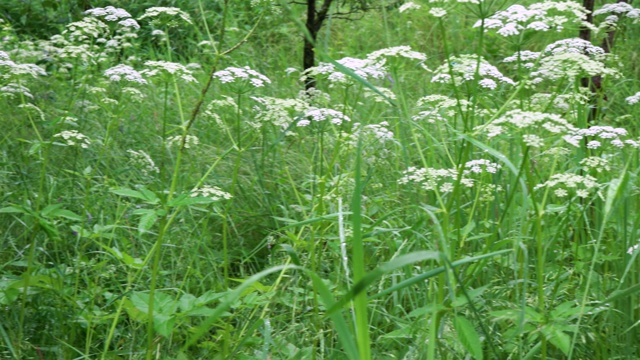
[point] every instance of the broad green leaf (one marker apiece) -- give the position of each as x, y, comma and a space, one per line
468, 336
13, 210
146, 195
46, 212
163, 324
618, 294
558, 338
187, 302
67, 214
431, 273
372, 276
147, 220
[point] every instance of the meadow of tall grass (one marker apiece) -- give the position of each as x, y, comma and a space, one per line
462, 183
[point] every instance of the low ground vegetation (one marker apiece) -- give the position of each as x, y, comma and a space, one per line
460, 184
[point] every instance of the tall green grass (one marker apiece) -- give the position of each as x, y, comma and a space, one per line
269, 240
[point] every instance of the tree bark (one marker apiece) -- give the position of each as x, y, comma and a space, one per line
314, 22
595, 83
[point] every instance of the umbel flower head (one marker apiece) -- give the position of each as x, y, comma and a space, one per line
124, 72
467, 68
334, 116
364, 68
541, 16
159, 68
72, 138
244, 75
169, 16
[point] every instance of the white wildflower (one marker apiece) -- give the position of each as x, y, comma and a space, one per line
596, 163
212, 192
409, 6
11, 89
165, 15
469, 68
124, 72
157, 68
189, 141
532, 140
364, 68
145, 163
244, 75
633, 99
438, 12
72, 137
397, 51
334, 116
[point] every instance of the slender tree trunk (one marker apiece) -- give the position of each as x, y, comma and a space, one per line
308, 55
314, 22
595, 83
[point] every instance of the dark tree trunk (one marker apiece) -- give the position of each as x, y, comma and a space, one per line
595, 83
314, 22
308, 56
585, 33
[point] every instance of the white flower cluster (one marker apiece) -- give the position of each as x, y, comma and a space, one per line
124, 72
189, 141
532, 122
408, 6
145, 163
480, 166
575, 46
526, 58
165, 15
633, 99
397, 51
133, 94
158, 68
599, 164
560, 102
72, 137
314, 114
10, 69
430, 178
379, 132
364, 68
11, 89
619, 9
437, 106
87, 30
244, 74
567, 183
437, 12
278, 112
541, 16
212, 192
571, 58
370, 94
111, 13
469, 68
603, 134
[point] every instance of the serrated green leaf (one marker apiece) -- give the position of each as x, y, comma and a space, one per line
187, 302
558, 338
147, 221
46, 212
468, 336
13, 210
67, 214
163, 324
146, 195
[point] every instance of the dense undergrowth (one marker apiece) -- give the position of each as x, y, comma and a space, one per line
461, 184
